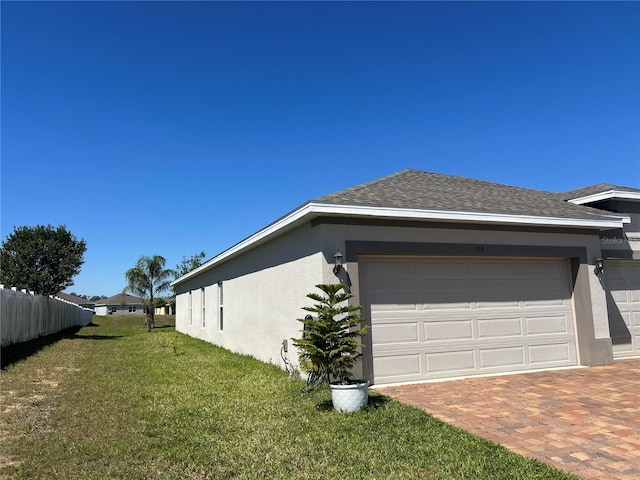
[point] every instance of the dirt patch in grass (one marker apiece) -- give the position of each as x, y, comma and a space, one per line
29, 386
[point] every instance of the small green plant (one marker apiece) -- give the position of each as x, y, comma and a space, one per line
330, 344
170, 340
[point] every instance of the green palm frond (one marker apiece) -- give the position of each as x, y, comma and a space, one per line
148, 279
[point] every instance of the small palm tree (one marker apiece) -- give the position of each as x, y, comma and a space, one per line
148, 279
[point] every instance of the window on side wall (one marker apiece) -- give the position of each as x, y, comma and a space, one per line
220, 306
202, 302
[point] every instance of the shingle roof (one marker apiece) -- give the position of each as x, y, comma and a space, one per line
413, 189
74, 299
430, 196
117, 300
595, 189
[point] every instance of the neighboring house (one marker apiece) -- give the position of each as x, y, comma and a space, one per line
120, 304
83, 302
169, 307
621, 251
456, 276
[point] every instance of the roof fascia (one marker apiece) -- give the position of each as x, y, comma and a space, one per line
608, 195
288, 220
474, 217
311, 210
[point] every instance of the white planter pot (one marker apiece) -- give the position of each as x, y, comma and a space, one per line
350, 397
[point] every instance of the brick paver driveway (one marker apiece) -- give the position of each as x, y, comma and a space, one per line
585, 421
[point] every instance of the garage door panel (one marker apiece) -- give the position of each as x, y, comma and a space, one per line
547, 325
385, 300
443, 300
548, 302
497, 301
481, 324
622, 281
499, 327
545, 295
443, 270
390, 271
544, 270
621, 296
558, 352
501, 357
457, 361
448, 330
494, 270
405, 332
397, 366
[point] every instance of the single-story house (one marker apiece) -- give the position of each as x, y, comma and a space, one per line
120, 304
456, 277
83, 302
169, 307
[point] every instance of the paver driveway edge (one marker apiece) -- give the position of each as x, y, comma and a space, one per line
585, 421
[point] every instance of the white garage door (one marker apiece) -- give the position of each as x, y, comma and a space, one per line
442, 317
622, 283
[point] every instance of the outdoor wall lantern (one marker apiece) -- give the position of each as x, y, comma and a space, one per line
338, 262
599, 266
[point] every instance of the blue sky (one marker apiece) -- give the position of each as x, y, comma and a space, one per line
174, 127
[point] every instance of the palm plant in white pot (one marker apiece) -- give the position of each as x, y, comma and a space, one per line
331, 345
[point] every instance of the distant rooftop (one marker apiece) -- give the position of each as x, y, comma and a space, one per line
120, 299
599, 188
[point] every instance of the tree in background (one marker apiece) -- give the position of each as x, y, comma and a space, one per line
188, 264
148, 279
41, 259
79, 296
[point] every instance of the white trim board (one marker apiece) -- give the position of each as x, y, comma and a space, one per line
608, 195
312, 210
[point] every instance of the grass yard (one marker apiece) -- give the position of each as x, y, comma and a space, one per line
112, 401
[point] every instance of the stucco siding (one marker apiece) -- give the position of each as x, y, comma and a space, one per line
265, 288
263, 292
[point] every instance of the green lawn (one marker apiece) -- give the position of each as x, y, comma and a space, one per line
113, 401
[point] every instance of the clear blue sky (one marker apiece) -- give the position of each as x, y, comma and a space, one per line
170, 128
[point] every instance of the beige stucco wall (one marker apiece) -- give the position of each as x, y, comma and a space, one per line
264, 292
266, 287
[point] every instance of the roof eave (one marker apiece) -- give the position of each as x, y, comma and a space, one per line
312, 210
607, 195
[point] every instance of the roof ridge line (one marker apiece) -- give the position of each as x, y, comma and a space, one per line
367, 184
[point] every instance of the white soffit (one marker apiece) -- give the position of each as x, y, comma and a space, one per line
608, 195
312, 210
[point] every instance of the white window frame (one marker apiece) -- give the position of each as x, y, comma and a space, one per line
220, 306
202, 305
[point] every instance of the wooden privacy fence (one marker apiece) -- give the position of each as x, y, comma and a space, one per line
24, 315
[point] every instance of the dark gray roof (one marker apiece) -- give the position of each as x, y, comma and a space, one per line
595, 189
74, 299
413, 189
117, 300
